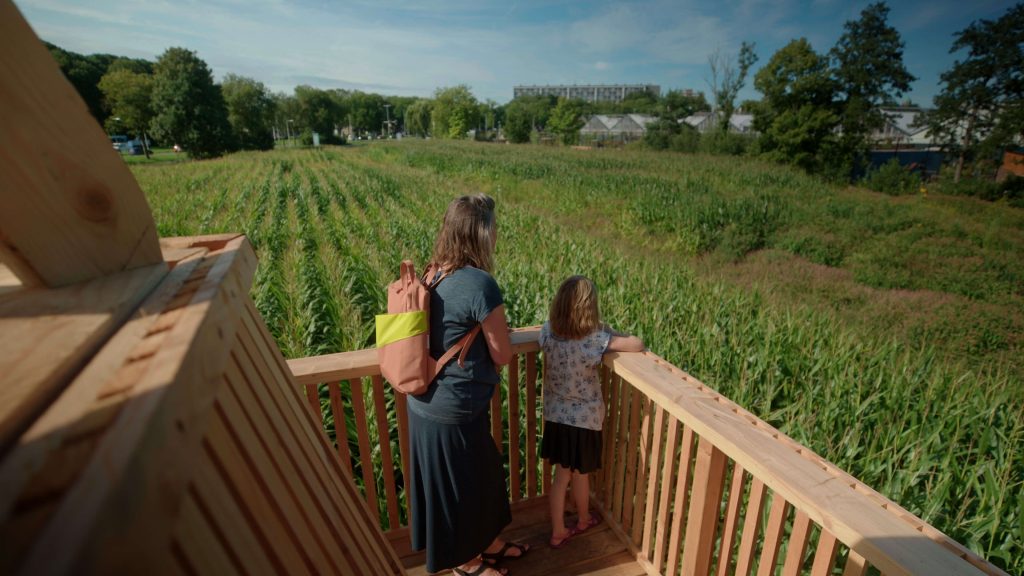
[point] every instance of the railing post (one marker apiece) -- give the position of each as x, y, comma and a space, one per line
705, 502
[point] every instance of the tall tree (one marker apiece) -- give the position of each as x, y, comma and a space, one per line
190, 109
84, 73
250, 112
727, 80
455, 112
317, 111
981, 106
417, 117
869, 72
518, 124
567, 118
797, 115
130, 98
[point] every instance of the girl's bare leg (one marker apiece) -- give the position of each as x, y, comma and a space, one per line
581, 496
556, 500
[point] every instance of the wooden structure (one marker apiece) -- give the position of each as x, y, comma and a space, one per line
148, 422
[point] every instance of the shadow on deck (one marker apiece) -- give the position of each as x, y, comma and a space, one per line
598, 551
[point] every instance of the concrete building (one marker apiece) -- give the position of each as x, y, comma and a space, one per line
588, 92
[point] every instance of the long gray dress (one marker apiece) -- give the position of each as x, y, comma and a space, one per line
458, 493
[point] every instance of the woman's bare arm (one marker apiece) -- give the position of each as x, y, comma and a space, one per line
495, 329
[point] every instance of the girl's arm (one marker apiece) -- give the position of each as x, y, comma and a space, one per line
623, 342
495, 329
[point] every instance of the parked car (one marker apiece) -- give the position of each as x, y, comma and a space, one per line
117, 140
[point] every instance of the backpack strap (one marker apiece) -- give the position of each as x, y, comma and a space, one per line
461, 348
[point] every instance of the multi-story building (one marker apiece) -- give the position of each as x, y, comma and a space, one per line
588, 92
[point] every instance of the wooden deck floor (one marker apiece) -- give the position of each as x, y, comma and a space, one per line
597, 552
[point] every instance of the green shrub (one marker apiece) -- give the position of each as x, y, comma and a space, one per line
892, 179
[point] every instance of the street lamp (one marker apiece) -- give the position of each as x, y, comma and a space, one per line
387, 114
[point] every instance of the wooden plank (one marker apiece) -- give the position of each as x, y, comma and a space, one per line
254, 497
155, 437
514, 470
751, 528
638, 406
620, 445
365, 460
402, 410
887, 540
9, 282
704, 505
247, 399
47, 433
773, 535
48, 335
496, 413
313, 399
244, 535
531, 425
650, 488
610, 436
341, 426
265, 455
856, 565
797, 546
825, 554
387, 462
334, 367
70, 210
681, 493
340, 487
732, 515
668, 489
200, 543
646, 438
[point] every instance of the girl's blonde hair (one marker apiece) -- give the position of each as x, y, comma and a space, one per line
467, 234
574, 312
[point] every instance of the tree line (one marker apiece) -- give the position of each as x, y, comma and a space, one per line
817, 110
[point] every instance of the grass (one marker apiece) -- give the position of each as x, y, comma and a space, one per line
882, 332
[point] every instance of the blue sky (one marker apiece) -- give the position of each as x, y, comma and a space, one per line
410, 48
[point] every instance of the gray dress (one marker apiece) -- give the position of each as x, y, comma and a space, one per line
458, 496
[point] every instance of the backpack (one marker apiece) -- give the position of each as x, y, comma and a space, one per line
403, 339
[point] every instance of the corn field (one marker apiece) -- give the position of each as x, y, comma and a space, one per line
932, 426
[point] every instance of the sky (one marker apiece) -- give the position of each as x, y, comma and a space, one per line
411, 48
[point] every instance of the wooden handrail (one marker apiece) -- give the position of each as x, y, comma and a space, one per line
716, 431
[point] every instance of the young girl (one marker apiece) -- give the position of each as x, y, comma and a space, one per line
573, 341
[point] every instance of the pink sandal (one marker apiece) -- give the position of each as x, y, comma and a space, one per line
595, 519
562, 542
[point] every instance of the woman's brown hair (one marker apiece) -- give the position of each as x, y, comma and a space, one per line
467, 235
574, 312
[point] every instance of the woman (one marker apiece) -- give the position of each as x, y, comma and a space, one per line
457, 482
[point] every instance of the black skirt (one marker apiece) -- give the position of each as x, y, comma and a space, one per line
572, 447
457, 489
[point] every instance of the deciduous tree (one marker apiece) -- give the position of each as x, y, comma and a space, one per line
455, 112
869, 72
797, 116
189, 107
981, 106
130, 98
727, 80
250, 112
567, 118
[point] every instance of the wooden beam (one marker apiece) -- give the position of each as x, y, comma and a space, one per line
70, 210
48, 335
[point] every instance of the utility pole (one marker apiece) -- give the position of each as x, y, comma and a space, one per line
387, 113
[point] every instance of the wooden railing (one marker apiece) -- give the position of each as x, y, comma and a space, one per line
692, 482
